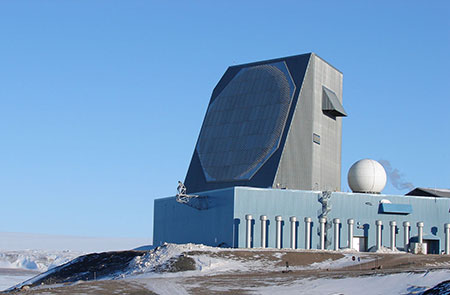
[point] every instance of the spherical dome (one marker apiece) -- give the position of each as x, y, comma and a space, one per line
367, 176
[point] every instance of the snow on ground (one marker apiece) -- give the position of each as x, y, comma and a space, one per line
19, 266
401, 283
164, 286
385, 250
339, 263
205, 263
40, 252
208, 264
9, 279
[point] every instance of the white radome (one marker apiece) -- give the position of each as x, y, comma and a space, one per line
367, 176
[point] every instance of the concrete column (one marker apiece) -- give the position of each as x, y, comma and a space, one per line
248, 239
263, 219
378, 223
307, 232
420, 231
406, 225
278, 220
293, 221
447, 238
350, 223
393, 226
336, 222
322, 222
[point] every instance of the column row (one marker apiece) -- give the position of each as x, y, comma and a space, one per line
336, 225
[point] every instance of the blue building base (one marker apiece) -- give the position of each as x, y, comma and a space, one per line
220, 221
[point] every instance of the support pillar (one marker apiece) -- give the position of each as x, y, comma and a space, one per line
393, 227
322, 222
263, 219
248, 238
406, 225
293, 221
420, 231
278, 220
350, 223
447, 238
336, 222
378, 223
307, 232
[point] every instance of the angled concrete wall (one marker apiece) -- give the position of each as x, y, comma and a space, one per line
327, 155
306, 162
295, 168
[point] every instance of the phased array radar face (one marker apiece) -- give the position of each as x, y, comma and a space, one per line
259, 127
244, 123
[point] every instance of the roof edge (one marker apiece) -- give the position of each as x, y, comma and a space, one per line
271, 60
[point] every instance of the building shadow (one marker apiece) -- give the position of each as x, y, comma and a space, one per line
236, 223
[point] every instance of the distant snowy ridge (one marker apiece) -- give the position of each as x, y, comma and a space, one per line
38, 260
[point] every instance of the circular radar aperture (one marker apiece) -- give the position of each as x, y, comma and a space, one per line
244, 124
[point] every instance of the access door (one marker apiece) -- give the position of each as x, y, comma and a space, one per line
360, 243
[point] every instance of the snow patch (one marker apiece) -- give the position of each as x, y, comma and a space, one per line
151, 264
402, 283
8, 280
386, 250
157, 260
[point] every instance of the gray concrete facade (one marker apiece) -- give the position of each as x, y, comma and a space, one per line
306, 164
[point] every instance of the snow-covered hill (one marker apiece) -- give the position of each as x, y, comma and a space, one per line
24, 255
189, 268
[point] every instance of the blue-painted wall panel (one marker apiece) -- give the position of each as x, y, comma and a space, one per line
225, 221
363, 208
180, 223
273, 202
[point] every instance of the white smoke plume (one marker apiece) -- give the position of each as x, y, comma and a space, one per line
396, 177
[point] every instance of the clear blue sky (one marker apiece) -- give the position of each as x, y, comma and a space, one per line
101, 102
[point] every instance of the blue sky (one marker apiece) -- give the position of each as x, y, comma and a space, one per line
101, 102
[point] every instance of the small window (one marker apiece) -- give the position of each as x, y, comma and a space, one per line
316, 138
